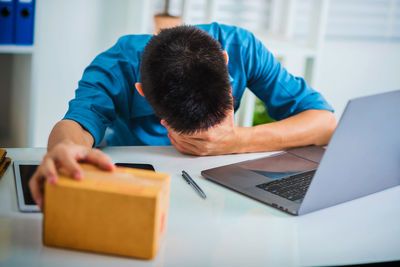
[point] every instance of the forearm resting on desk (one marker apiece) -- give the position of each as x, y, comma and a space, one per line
311, 127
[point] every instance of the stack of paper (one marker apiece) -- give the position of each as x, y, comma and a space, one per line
4, 162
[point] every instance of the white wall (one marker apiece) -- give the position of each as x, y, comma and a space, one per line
357, 68
65, 35
68, 35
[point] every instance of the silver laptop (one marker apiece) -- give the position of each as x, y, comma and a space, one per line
363, 157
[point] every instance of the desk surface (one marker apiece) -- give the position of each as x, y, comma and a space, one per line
226, 229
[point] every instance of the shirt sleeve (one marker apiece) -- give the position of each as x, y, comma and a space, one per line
101, 93
284, 94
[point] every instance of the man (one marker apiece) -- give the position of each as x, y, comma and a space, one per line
181, 87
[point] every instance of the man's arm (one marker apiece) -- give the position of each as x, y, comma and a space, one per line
105, 85
68, 144
69, 131
311, 127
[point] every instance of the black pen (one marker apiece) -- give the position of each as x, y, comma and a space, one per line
190, 181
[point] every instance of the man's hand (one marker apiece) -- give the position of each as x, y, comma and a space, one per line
310, 127
218, 139
66, 155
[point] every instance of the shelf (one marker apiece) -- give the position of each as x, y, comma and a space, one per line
16, 49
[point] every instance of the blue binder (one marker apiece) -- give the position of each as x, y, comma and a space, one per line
6, 21
24, 20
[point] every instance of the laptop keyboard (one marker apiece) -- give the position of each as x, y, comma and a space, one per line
292, 188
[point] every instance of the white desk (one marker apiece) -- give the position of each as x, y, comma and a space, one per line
226, 229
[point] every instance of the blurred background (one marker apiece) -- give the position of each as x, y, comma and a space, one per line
343, 48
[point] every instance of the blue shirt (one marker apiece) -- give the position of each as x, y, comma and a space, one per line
107, 98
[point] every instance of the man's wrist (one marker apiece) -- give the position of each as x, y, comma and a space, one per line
64, 141
69, 132
257, 139
243, 135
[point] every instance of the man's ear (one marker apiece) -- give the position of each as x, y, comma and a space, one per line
226, 56
139, 88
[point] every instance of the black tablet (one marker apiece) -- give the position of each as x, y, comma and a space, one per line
23, 171
136, 166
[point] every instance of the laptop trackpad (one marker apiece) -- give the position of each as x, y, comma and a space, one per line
313, 153
278, 166
253, 172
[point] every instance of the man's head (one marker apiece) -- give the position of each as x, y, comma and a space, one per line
184, 78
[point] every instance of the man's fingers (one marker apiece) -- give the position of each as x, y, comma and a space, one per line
100, 159
46, 171
49, 170
183, 147
185, 137
67, 157
36, 187
197, 136
176, 145
68, 160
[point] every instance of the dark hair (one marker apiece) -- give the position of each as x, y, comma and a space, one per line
185, 78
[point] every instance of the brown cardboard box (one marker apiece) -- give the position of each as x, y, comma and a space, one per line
123, 212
